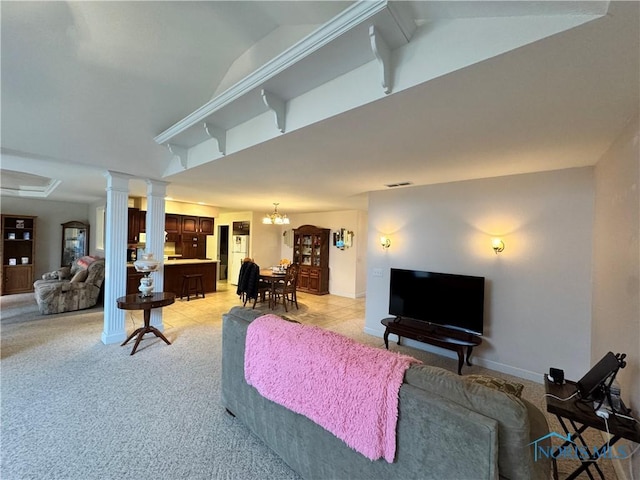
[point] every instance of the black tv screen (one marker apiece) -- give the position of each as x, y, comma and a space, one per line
453, 301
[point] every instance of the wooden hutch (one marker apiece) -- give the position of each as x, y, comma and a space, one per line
18, 252
311, 252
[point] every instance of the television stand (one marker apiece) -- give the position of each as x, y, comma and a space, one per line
432, 334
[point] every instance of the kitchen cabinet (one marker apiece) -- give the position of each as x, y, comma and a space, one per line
194, 245
311, 252
142, 221
192, 224
172, 223
18, 253
133, 280
133, 230
188, 224
188, 232
206, 225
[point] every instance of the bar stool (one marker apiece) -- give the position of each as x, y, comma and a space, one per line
189, 287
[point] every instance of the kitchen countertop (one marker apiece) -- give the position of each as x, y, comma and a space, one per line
189, 261
186, 261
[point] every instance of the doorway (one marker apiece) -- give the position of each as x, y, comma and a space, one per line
223, 251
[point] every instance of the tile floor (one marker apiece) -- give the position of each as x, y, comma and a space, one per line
321, 310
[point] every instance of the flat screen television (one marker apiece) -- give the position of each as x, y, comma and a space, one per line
444, 299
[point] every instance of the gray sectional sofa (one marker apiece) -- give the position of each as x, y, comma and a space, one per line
448, 426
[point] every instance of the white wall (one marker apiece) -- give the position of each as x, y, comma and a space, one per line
538, 291
616, 261
179, 208
51, 215
266, 242
347, 268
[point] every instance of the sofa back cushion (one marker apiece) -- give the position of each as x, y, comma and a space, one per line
96, 273
80, 276
514, 454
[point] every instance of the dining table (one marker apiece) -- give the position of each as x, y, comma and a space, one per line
272, 278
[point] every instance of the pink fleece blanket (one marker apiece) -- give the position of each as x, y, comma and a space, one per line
348, 388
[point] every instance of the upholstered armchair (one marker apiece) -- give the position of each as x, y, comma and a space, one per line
69, 289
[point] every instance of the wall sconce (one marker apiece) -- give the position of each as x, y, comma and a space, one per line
498, 245
385, 242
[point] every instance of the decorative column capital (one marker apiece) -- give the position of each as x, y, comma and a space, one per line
156, 188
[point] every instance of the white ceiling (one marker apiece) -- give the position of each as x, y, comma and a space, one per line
86, 86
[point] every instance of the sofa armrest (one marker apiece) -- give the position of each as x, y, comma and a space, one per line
538, 428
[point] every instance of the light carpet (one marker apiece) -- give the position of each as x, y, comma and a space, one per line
73, 408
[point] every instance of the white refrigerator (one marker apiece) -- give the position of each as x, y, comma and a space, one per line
239, 251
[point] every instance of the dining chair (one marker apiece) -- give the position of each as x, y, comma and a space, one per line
287, 288
248, 281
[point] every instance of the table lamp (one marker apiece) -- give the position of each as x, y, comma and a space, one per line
146, 265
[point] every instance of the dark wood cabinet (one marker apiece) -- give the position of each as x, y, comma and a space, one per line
191, 224
194, 246
206, 225
142, 221
18, 254
133, 230
188, 232
133, 280
311, 252
172, 223
190, 245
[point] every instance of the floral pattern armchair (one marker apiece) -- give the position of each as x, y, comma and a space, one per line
70, 289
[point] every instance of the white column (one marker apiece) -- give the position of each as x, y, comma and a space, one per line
115, 281
156, 192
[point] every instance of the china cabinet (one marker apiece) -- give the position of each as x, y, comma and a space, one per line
75, 242
311, 252
18, 253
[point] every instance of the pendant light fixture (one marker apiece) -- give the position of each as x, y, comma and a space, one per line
275, 218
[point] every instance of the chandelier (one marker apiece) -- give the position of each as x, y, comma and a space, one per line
275, 218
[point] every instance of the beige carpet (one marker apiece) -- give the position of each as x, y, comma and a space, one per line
54, 363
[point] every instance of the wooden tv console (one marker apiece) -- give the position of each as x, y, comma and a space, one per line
432, 334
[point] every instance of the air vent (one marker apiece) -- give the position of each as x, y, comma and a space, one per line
399, 184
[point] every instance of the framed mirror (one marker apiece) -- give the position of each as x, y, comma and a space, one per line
75, 242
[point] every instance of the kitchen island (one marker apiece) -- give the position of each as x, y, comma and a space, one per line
173, 272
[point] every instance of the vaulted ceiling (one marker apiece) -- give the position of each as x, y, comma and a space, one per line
477, 89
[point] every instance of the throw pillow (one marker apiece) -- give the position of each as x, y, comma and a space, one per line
499, 384
80, 276
85, 261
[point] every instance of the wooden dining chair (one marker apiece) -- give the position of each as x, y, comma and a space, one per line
287, 288
264, 290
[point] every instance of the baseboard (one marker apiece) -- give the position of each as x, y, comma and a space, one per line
349, 295
343, 294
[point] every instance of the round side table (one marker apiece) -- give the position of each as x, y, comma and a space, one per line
137, 302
